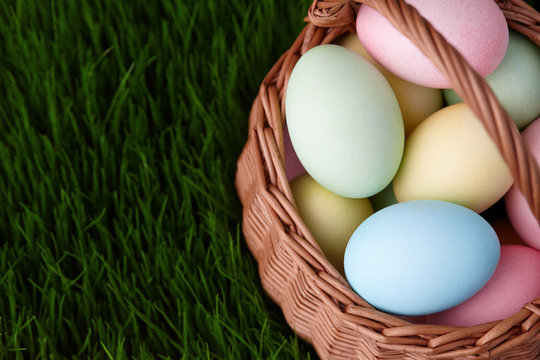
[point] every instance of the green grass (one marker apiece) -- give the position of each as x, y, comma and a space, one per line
120, 126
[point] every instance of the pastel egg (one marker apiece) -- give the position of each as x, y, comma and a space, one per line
518, 209
516, 81
476, 28
450, 157
516, 281
344, 121
331, 218
416, 102
293, 166
421, 257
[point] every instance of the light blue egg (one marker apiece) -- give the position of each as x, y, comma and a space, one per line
420, 257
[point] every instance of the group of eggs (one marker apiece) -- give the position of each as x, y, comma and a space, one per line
395, 176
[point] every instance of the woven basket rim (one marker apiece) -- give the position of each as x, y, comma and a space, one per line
316, 300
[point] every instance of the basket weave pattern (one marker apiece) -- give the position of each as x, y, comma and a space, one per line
315, 299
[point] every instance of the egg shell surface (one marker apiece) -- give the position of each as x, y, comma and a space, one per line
476, 28
516, 281
451, 157
344, 121
421, 257
515, 82
518, 209
416, 102
331, 218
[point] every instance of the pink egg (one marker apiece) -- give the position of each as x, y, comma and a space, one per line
518, 209
293, 167
476, 28
516, 281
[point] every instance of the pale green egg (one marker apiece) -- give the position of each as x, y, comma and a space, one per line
344, 121
515, 82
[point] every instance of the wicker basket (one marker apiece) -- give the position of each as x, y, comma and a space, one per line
316, 301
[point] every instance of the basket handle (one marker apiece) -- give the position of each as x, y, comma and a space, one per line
470, 86
332, 13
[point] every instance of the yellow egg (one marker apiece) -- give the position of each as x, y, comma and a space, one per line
450, 157
331, 218
416, 102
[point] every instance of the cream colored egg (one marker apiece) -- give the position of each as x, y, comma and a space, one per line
450, 157
416, 102
331, 218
